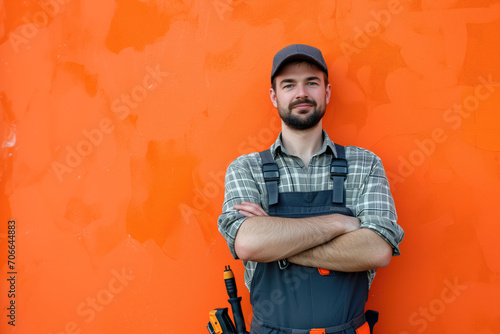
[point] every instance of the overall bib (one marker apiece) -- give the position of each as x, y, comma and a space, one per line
289, 298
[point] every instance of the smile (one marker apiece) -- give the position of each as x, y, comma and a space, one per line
303, 106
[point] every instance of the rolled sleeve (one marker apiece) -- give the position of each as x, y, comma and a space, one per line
239, 187
229, 225
376, 210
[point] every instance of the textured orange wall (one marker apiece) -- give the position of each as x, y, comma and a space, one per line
119, 118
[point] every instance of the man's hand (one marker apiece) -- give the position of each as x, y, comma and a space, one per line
360, 250
249, 209
350, 223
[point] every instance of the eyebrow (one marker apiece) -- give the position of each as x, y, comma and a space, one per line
312, 78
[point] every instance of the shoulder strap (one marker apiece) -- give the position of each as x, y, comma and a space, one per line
271, 176
338, 173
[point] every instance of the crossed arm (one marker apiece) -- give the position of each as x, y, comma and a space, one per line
334, 242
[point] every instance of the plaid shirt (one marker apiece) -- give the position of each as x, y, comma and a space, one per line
367, 191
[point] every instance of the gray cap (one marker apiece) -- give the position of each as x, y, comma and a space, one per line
298, 52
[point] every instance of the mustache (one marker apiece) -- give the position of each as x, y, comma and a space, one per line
308, 101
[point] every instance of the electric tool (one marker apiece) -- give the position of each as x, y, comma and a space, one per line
220, 321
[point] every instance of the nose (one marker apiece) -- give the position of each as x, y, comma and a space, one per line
301, 92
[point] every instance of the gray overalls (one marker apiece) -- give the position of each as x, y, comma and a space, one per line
289, 298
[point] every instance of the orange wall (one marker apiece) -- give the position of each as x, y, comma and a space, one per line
120, 117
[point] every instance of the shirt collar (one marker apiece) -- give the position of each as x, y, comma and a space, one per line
327, 145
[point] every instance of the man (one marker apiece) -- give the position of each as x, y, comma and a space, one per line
311, 220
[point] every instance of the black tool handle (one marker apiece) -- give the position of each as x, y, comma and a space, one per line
235, 301
239, 322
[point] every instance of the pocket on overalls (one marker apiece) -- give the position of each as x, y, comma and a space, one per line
364, 329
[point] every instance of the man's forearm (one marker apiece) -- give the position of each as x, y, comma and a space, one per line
266, 239
359, 250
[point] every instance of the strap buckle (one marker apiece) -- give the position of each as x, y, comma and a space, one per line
338, 168
271, 173
283, 264
271, 176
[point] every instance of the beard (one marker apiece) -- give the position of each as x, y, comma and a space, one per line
297, 122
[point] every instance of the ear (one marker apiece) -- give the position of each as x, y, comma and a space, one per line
328, 93
272, 94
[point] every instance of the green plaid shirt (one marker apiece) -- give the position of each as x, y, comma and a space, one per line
367, 190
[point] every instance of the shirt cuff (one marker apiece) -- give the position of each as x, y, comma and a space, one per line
230, 237
391, 232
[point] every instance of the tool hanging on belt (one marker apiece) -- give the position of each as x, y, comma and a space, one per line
220, 321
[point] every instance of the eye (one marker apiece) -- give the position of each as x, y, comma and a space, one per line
312, 83
288, 86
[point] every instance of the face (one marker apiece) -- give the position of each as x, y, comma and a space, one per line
300, 95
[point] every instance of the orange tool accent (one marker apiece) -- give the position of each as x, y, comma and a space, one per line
324, 272
228, 273
364, 329
215, 323
317, 331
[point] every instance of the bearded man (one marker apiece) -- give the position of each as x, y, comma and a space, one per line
310, 219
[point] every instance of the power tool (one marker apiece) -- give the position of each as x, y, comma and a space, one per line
220, 321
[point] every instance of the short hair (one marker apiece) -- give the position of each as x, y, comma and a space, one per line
302, 61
